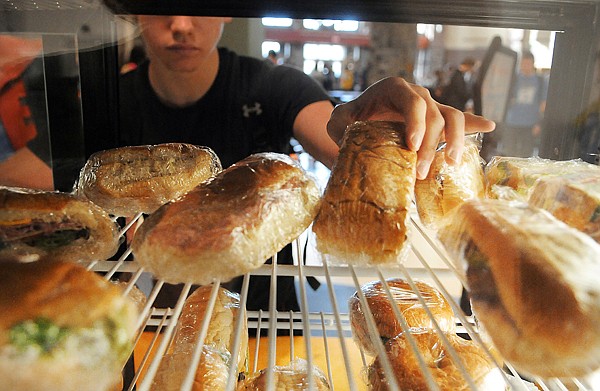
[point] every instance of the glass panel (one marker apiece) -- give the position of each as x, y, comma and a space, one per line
25, 153
40, 110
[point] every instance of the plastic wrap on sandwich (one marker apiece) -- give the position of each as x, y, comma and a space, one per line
447, 186
128, 180
533, 284
216, 356
51, 224
366, 206
211, 374
231, 224
407, 300
521, 174
449, 374
573, 199
291, 377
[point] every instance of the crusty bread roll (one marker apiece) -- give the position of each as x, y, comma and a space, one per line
573, 199
62, 328
39, 224
221, 329
447, 186
231, 224
213, 368
388, 326
533, 283
211, 374
292, 377
128, 180
445, 371
365, 210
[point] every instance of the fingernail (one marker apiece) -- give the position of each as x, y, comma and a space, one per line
453, 155
415, 141
422, 169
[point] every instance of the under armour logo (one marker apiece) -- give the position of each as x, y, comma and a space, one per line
249, 110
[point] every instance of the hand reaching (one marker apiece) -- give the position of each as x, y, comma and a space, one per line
427, 121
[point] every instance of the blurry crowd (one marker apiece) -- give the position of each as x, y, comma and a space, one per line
519, 133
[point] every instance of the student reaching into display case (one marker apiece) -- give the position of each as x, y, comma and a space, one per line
191, 91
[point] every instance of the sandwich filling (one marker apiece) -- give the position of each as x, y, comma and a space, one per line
41, 234
41, 338
482, 286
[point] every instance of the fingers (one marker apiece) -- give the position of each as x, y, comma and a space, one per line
339, 120
454, 134
431, 134
427, 121
477, 124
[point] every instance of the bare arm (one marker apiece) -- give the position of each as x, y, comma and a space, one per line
25, 169
310, 129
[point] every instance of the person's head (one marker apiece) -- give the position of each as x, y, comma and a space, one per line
467, 64
527, 65
181, 43
272, 56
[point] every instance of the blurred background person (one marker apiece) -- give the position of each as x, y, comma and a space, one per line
272, 56
347, 78
521, 131
459, 89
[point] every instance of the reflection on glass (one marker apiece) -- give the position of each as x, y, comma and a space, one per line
40, 110
25, 157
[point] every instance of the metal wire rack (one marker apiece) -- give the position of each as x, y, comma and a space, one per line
326, 340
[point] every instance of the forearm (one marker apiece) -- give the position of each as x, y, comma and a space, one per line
310, 129
25, 169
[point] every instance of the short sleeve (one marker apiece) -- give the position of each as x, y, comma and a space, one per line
285, 92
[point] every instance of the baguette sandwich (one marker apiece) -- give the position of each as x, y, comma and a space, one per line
231, 224
216, 355
128, 180
38, 224
533, 283
62, 328
364, 215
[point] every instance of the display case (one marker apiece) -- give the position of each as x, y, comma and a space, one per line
81, 40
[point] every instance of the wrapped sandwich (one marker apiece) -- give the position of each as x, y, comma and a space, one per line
573, 199
533, 283
414, 313
514, 177
231, 224
216, 354
62, 328
45, 224
364, 215
128, 180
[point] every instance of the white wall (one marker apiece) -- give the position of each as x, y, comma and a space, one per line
471, 38
244, 36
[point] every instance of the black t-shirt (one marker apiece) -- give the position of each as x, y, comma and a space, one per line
251, 107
